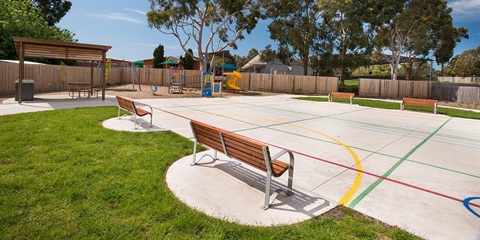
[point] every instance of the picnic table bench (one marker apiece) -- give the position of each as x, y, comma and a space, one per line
343, 95
246, 150
420, 102
130, 106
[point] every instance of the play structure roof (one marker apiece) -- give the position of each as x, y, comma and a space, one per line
227, 67
169, 62
41, 48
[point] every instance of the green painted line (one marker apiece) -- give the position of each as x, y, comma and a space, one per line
321, 140
393, 168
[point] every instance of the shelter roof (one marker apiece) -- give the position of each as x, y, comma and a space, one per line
41, 48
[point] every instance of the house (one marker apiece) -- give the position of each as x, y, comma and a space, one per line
276, 67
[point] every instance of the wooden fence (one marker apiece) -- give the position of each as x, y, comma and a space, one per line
297, 84
397, 89
50, 78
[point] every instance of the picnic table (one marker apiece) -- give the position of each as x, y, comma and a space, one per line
79, 87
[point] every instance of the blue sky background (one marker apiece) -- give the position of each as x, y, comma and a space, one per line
123, 25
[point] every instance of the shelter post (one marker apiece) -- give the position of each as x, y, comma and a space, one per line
104, 59
21, 73
91, 78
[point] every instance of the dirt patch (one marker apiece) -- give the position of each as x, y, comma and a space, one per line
144, 91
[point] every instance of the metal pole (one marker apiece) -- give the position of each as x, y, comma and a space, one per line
21, 72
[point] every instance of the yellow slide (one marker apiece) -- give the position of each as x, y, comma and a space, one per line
231, 83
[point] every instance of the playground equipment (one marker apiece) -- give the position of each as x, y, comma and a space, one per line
177, 80
207, 84
231, 82
135, 75
153, 89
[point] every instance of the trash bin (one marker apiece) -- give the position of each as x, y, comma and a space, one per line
27, 90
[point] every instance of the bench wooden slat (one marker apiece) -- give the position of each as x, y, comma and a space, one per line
246, 150
420, 102
280, 167
129, 106
342, 95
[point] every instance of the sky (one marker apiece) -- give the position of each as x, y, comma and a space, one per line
123, 25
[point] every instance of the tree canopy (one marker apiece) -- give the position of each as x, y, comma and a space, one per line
209, 25
347, 32
296, 28
466, 64
22, 19
415, 28
158, 55
187, 60
53, 10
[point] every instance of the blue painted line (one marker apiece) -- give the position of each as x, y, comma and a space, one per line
466, 203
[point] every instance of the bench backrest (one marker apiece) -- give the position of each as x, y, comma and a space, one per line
420, 102
342, 95
121, 102
233, 145
207, 135
247, 150
127, 104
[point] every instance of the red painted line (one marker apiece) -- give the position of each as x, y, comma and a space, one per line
351, 168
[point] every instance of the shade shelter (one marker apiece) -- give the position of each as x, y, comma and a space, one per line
41, 48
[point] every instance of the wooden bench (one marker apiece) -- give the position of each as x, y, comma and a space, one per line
130, 106
342, 95
251, 152
420, 102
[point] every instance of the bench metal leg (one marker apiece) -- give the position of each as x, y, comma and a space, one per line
267, 203
194, 160
269, 199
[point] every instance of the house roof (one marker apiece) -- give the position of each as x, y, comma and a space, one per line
255, 62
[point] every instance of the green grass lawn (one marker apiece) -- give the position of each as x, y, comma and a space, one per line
396, 105
62, 175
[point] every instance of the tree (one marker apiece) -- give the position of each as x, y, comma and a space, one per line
467, 64
446, 39
348, 33
53, 10
241, 61
187, 60
22, 19
414, 29
158, 55
211, 25
296, 28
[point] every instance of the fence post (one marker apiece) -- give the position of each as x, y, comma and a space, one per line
294, 84
271, 82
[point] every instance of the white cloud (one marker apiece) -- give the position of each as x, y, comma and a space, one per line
465, 9
136, 11
118, 17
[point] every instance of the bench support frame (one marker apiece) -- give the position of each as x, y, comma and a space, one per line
342, 95
269, 197
130, 106
420, 103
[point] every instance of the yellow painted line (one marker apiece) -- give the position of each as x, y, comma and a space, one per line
356, 183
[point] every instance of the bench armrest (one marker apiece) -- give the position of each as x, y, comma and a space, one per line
144, 106
279, 154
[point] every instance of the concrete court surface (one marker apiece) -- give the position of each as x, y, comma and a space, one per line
418, 171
